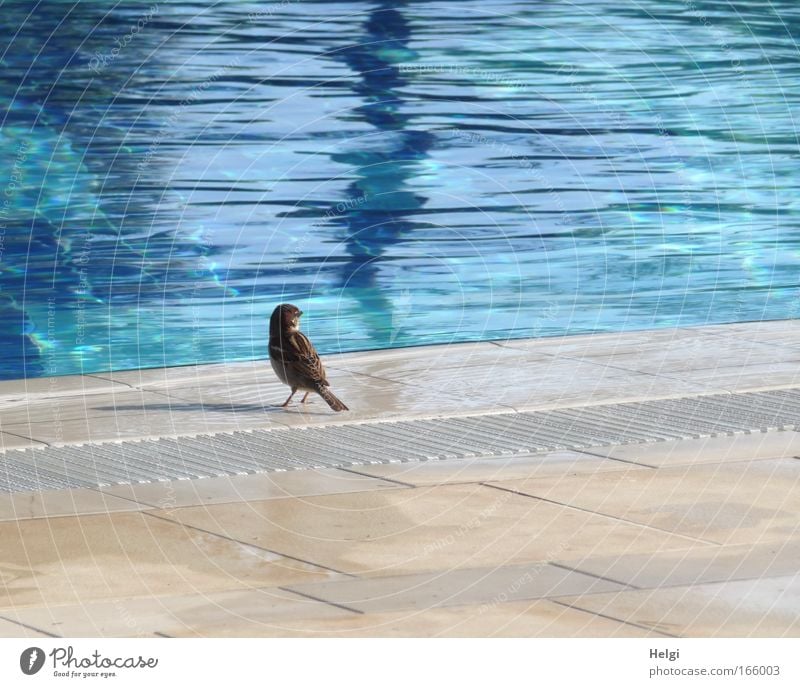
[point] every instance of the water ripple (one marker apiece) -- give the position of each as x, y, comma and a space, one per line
408, 172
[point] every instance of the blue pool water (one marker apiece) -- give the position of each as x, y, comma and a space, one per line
406, 172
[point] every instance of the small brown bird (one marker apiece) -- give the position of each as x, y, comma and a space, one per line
294, 358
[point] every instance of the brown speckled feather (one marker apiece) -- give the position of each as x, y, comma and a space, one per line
297, 352
294, 358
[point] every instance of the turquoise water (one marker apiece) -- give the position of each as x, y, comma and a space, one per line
405, 172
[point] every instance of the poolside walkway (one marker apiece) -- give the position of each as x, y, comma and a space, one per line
685, 537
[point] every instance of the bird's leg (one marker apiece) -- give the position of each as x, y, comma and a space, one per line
286, 402
305, 397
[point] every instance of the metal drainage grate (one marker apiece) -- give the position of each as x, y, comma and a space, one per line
507, 434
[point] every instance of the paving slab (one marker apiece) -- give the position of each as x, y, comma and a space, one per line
724, 449
238, 488
568, 384
549, 382
466, 470
109, 407
423, 382
276, 613
467, 586
9, 630
607, 343
164, 378
368, 398
23, 505
74, 560
704, 354
694, 566
10, 442
539, 618
243, 613
745, 377
52, 387
516, 544
747, 608
785, 332
159, 418
458, 361
426, 357
398, 531
734, 503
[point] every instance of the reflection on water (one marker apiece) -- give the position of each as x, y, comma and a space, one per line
408, 172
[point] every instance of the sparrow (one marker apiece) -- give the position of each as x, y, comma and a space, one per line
294, 358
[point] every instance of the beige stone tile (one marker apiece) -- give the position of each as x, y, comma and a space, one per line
550, 382
468, 586
9, 630
734, 503
740, 447
785, 332
22, 505
270, 485
695, 566
74, 560
611, 343
706, 354
161, 418
399, 531
12, 441
370, 398
618, 390
463, 470
502, 381
752, 377
167, 378
555, 383
51, 387
747, 608
249, 400
107, 406
412, 364
538, 618
242, 613
274, 613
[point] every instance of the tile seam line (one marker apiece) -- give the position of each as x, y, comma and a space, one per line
22, 436
149, 506
321, 600
467, 604
109, 379
623, 461
603, 515
385, 479
590, 574
690, 585
244, 543
30, 627
700, 394
611, 617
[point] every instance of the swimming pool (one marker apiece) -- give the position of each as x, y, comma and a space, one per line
406, 172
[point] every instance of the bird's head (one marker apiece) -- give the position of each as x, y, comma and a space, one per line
285, 318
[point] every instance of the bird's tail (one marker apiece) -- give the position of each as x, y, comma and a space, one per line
330, 398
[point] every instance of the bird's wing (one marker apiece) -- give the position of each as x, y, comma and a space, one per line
304, 358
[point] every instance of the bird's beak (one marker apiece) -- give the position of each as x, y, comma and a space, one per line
300, 313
